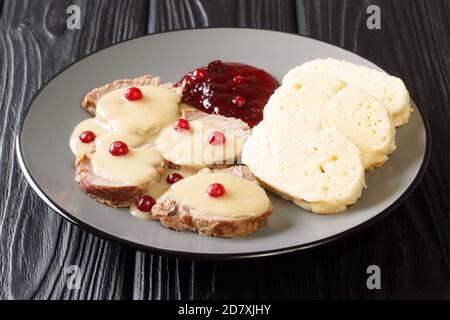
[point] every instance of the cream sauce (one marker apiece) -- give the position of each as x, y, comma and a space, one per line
92, 124
191, 148
143, 123
157, 189
157, 109
242, 198
137, 167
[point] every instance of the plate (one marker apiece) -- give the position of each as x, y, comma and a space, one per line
48, 164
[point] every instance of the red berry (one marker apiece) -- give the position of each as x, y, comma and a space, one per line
145, 203
87, 136
216, 190
198, 74
118, 148
133, 94
181, 125
239, 101
174, 177
238, 79
216, 138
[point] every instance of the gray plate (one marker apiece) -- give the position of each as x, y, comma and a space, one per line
48, 164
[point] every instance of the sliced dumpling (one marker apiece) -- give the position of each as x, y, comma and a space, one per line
319, 170
314, 101
365, 121
389, 90
303, 97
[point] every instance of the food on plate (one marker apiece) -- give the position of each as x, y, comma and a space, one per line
91, 99
157, 108
320, 132
229, 89
224, 203
116, 170
167, 177
85, 133
319, 170
142, 140
318, 101
170, 152
116, 162
203, 140
389, 90
365, 121
115, 111
303, 99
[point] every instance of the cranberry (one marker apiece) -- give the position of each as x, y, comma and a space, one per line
216, 190
87, 136
216, 138
145, 203
238, 79
133, 94
198, 74
118, 148
181, 125
174, 177
239, 101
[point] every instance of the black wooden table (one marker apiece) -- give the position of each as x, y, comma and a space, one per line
411, 246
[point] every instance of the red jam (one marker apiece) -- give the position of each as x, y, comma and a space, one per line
230, 89
118, 148
216, 190
145, 203
239, 101
198, 74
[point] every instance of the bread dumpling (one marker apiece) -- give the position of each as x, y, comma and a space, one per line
389, 90
320, 170
314, 101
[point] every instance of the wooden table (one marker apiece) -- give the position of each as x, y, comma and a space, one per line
411, 245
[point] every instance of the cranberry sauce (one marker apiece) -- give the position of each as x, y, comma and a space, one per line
229, 89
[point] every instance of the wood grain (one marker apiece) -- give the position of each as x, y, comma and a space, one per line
181, 14
35, 243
